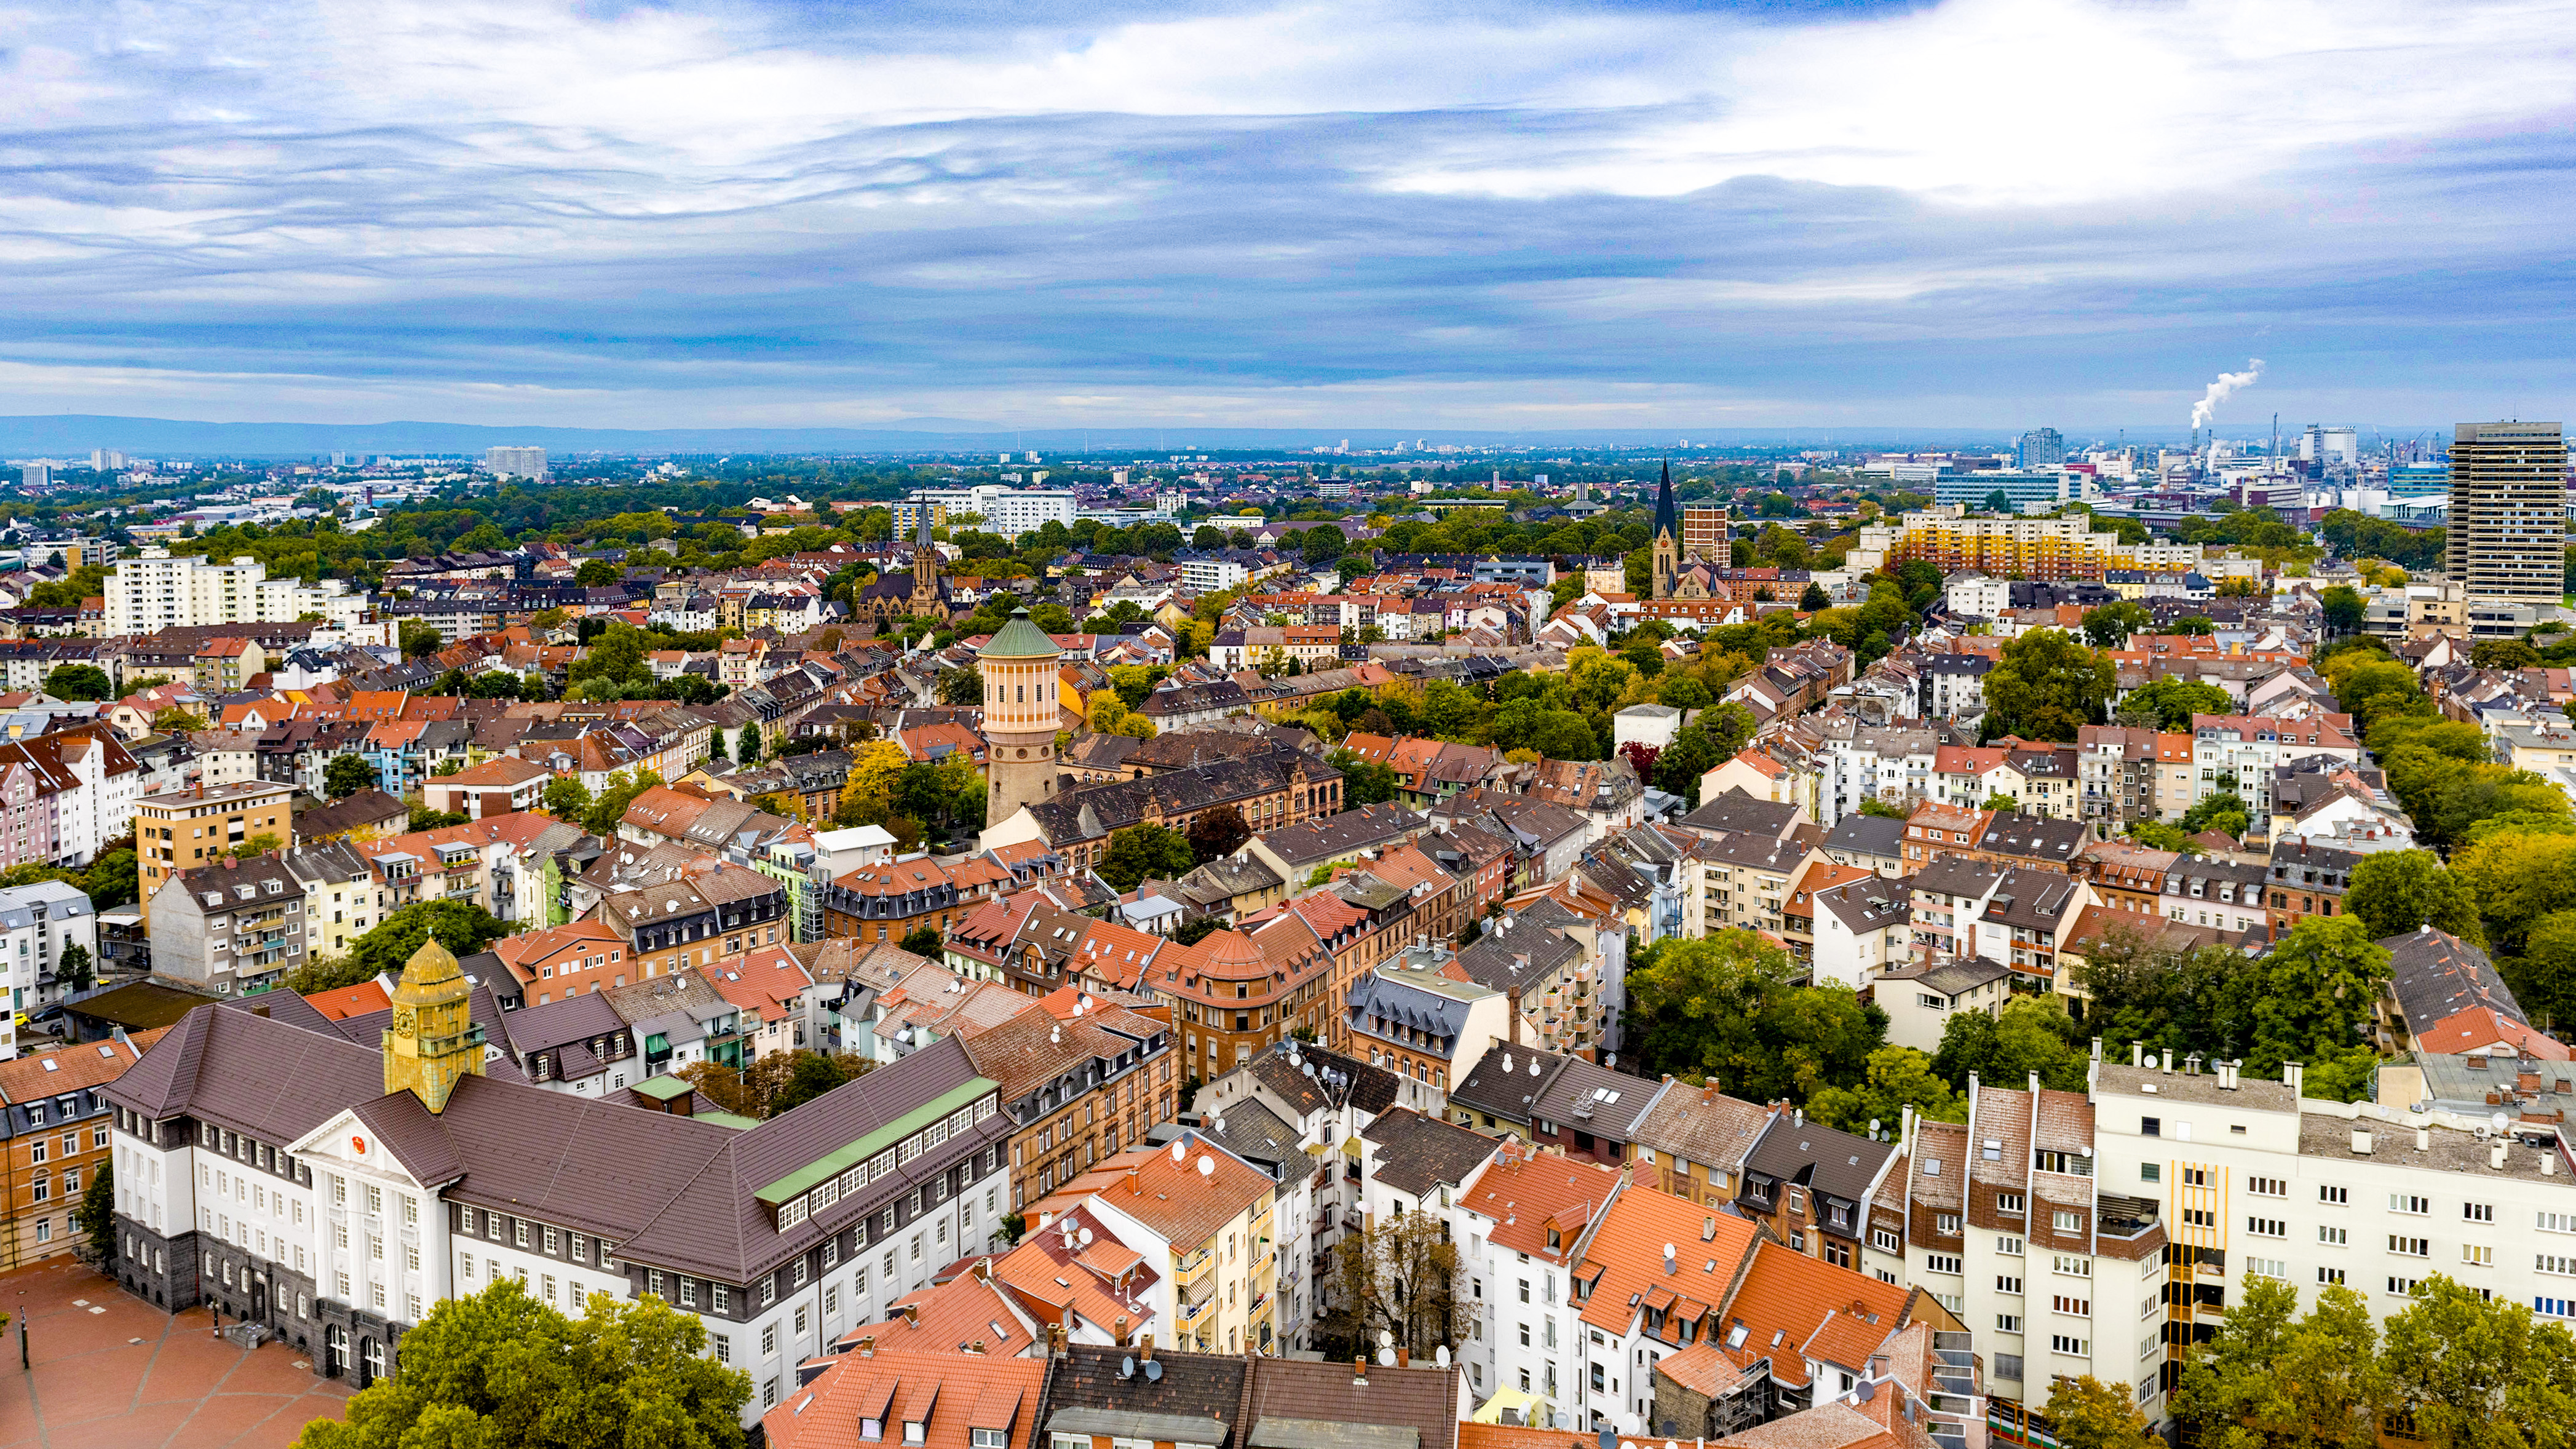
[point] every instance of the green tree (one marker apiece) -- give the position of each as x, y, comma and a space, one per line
2317, 992
1140, 851
2344, 608
747, 747
95, 1218
2046, 687
2515, 877
2170, 703
1814, 598
597, 573
2192, 624
1721, 1007
2109, 626
616, 793
961, 688
79, 682
75, 970
1322, 545
2543, 977
113, 878
420, 639
2270, 1377
923, 941
565, 798
2477, 1372
461, 926
1897, 1078
2032, 1033
2001, 802
2224, 812
716, 754
2396, 891
499, 1368
1364, 781
346, 775
2086, 1413
2504, 654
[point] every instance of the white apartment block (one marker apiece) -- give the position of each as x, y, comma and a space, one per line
1009, 512
155, 591
37, 924
1894, 765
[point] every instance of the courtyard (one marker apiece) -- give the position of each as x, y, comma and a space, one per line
109, 1372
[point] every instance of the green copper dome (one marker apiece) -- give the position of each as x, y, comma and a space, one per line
1020, 639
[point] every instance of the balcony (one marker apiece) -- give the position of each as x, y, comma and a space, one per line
1195, 1313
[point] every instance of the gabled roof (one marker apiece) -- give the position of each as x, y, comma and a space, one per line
1418, 1153
1625, 1261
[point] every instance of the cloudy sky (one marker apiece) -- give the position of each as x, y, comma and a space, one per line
1377, 213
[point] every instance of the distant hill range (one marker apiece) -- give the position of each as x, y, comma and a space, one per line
74, 435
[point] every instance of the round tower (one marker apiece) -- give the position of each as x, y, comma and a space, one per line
1020, 717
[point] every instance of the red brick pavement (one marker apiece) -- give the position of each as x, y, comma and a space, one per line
112, 1372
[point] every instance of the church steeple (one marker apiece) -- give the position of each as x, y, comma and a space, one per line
433, 1041
925, 570
1668, 537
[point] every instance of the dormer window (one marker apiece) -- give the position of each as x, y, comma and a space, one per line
916, 1431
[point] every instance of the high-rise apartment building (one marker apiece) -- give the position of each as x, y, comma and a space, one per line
1009, 512
2508, 522
2040, 448
515, 462
155, 591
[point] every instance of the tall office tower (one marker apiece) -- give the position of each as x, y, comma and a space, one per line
2040, 448
2508, 524
515, 462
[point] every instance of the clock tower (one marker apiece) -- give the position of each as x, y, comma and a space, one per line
433, 1040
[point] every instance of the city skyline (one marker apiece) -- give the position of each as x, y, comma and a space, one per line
1977, 215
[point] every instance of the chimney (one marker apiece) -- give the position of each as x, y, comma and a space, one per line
2294, 1075
2423, 1139
911, 1314
2496, 1156
1122, 1328
1359, 1370
1512, 1006
867, 1346
1403, 1357
2360, 1142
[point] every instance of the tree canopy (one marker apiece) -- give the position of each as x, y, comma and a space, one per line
2046, 687
1721, 1008
499, 1368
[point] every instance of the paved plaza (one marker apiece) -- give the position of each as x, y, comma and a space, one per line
110, 1372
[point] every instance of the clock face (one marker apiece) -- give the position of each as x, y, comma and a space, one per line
402, 1018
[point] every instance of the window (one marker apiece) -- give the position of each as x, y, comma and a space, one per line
2011, 1203
768, 1339
2558, 1263
2010, 1247
2267, 1227
2557, 1222
2151, 1127
1940, 1263
2066, 1222
2061, 1343
2332, 1235
2151, 1172
2070, 1264
2008, 1366
1946, 1224
2477, 1257
2477, 1212
1883, 1240
2268, 1186
723, 1347
2007, 1284
2406, 1247
2074, 1307
2008, 1322
2328, 1277
2402, 1287
2402, 1202
2339, 1196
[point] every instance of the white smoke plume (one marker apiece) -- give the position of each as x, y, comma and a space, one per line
2228, 382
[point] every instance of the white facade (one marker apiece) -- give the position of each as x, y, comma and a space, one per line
37, 924
1009, 512
155, 591
515, 462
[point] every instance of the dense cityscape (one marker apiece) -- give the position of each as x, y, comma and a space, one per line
1426, 944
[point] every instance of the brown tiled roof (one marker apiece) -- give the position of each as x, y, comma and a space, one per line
1417, 1153
87, 1064
1424, 1399
1703, 1125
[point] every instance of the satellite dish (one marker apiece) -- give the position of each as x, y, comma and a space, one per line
1127, 1367
1180, 1152
2500, 1123
1386, 1358
1153, 1370
1609, 1439
1385, 1337
1441, 1355
1866, 1392
1207, 1167
1086, 1237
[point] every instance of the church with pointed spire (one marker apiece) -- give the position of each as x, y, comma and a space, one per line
920, 594
1690, 544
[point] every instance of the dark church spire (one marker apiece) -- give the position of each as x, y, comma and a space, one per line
1666, 521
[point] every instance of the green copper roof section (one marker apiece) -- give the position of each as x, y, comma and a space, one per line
664, 1088
832, 1164
1020, 639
